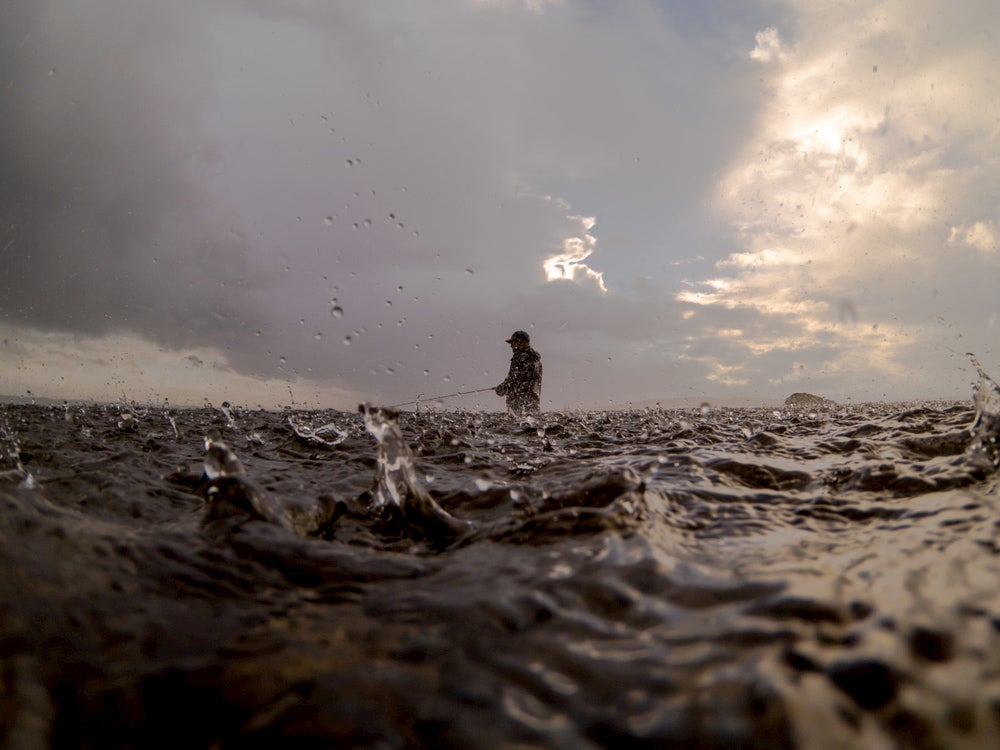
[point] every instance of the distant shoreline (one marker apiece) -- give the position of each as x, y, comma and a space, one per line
666, 404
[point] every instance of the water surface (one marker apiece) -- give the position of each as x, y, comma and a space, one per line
219, 577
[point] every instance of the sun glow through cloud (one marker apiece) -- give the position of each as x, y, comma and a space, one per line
851, 183
569, 263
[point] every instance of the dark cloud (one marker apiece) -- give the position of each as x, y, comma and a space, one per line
102, 223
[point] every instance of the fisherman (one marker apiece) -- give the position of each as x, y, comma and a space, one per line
523, 385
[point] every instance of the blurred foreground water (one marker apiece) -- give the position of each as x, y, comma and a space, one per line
225, 578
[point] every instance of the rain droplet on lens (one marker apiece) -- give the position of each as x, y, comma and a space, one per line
368, 223
469, 271
336, 310
347, 340
318, 336
350, 162
328, 220
388, 303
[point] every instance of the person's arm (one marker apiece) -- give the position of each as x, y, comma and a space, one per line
504, 387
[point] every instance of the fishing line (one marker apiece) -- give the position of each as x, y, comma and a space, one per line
438, 398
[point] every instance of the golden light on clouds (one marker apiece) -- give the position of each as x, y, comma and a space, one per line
866, 155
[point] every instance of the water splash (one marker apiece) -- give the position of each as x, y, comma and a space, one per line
984, 448
173, 424
129, 417
327, 435
221, 461
231, 494
10, 453
396, 482
225, 409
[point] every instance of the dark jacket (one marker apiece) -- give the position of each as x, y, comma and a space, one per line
523, 385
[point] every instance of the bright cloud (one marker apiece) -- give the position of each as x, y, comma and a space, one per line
981, 236
569, 264
862, 171
768, 46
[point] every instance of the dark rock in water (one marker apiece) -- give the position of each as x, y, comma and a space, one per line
809, 401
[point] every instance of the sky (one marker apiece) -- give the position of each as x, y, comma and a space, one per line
319, 203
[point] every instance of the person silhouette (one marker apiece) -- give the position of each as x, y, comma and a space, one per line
523, 384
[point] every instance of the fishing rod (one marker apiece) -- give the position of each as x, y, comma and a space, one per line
438, 398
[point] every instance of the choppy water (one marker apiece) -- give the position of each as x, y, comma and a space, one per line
727, 578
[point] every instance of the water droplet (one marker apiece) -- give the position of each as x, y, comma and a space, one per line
399, 288
302, 321
336, 310
368, 223
350, 162
400, 321
281, 360
388, 303
347, 340
52, 71
355, 225
257, 333
318, 336
469, 271
399, 225
447, 378
328, 220
427, 372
